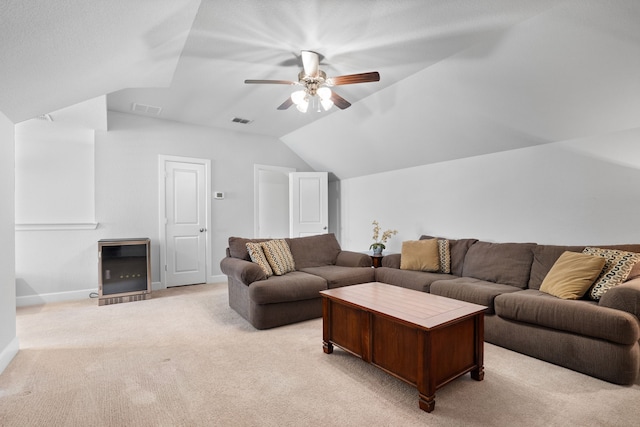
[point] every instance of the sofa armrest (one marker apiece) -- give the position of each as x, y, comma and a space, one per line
353, 259
246, 272
391, 261
625, 297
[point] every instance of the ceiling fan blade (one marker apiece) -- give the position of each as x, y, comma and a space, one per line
339, 101
286, 104
274, 82
373, 76
310, 63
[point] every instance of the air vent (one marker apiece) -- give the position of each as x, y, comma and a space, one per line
240, 120
146, 109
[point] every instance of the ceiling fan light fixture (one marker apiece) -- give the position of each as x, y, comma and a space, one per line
324, 93
298, 97
326, 104
303, 106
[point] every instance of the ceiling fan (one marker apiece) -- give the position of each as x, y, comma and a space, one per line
316, 83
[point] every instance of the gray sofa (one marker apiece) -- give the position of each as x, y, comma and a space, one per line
598, 338
293, 297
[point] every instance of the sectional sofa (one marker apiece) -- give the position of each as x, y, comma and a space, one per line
597, 337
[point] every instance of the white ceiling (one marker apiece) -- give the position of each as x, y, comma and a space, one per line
459, 78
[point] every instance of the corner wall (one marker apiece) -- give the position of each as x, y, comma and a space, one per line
8, 339
583, 191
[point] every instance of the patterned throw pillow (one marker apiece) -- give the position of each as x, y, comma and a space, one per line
279, 256
445, 256
617, 267
257, 255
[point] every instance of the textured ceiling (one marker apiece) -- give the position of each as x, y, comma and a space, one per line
459, 78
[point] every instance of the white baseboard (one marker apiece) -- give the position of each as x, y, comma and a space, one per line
8, 353
217, 279
26, 300
38, 299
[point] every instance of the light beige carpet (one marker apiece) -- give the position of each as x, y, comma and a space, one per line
184, 358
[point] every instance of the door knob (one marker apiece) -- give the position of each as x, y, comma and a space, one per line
202, 230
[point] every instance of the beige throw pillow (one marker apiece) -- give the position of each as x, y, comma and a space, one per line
420, 255
617, 267
572, 275
279, 256
257, 255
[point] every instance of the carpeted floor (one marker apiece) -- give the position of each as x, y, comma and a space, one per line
184, 358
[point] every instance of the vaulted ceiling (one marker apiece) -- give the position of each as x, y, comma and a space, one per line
459, 78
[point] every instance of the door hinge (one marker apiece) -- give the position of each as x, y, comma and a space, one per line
165, 267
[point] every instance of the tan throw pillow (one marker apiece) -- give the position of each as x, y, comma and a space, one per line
617, 267
420, 255
445, 256
257, 255
572, 275
279, 256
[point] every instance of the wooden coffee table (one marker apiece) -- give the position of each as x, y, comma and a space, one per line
423, 339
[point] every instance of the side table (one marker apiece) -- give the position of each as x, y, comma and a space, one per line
376, 260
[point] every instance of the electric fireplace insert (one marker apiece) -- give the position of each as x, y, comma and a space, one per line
124, 270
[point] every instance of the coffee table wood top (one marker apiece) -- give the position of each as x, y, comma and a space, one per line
422, 309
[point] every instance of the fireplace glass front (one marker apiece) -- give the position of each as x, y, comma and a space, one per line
124, 270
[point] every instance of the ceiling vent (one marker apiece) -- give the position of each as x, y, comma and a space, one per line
146, 109
240, 120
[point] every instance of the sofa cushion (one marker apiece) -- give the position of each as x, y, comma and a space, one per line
353, 259
618, 265
294, 286
416, 280
458, 249
279, 256
337, 276
238, 247
471, 290
576, 316
504, 263
544, 256
314, 251
420, 255
572, 275
257, 256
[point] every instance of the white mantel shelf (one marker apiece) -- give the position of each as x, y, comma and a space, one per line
57, 226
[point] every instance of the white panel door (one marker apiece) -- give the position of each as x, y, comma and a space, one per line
308, 203
185, 198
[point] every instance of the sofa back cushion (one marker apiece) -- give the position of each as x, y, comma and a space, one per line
238, 247
544, 257
314, 251
457, 249
505, 263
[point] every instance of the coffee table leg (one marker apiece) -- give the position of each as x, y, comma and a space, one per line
327, 347
478, 374
427, 403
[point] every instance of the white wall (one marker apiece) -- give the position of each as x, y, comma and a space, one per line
56, 180
53, 265
575, 192
8, 340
